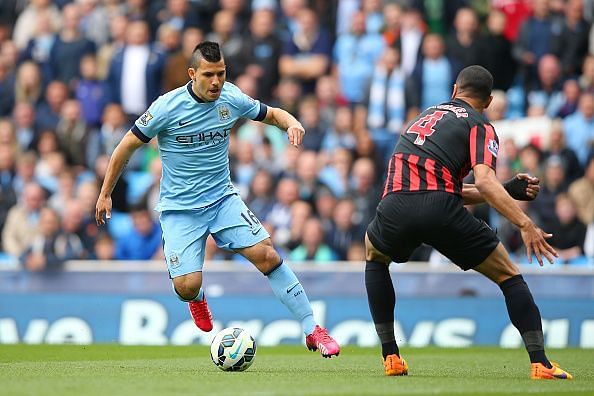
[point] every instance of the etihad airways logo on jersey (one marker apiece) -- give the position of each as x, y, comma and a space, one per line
204, 138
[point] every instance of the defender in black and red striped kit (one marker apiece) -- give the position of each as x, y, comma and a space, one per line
435, 153
423, 202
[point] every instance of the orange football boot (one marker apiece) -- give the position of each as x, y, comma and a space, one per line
395, 365
539, 371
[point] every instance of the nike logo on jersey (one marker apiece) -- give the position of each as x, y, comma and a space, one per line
181, 123
292, 287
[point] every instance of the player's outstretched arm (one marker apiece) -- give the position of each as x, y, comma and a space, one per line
284, 120
521, 187
122, 153
495, 195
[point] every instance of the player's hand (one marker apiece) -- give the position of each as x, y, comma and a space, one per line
102, 208
522, 187
533, 184
535, 241
295, 134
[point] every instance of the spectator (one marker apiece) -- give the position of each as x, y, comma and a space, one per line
570, 97
308, 171
104, 248
117, 32
51, 162
69, 48
462, 45
65, 191
581, 192
411, 37
262, 49
547, 96
288, 94
21, 225
572, 44
364, 190
25, 166
353, 52
28, 87
553, 184
336, 173
344, 231
392, 23
498, 108
341, 134
48, 249
176, 68
113, 128
535, 40
73, 133
7, 88
178, 15
24, 120
434, 75
312, 247
495, 52
41, 44
301, 211
73, 236
329, 99
25, 25
136, 70
558, 147
7, 172
306, 54
324, 205
95, 18
569, 233
374, 19
309, 116
168, 39
387, 102
90, 92
587, 78
244, 168
579, 128
230, 40
144, 241
86, 194
287, 192
49, 110
260, 200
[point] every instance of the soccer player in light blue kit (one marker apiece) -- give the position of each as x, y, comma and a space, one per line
192, 126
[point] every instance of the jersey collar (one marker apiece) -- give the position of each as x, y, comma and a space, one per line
192, 94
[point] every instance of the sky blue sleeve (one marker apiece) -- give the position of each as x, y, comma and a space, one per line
248, 107
153, 121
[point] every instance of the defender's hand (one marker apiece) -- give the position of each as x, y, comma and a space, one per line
295, 134
103, 207
533, 184
535, 241
522, 187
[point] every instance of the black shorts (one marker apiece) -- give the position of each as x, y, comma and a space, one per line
404, 221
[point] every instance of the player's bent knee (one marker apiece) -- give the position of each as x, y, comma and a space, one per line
187, 286
372, 254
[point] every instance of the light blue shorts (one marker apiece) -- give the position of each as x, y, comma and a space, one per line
231, 223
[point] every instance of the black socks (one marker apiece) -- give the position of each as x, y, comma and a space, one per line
525, 316
382, 299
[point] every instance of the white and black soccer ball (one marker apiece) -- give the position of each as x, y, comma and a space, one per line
233, 349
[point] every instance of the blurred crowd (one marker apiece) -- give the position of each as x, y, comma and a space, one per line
75, 74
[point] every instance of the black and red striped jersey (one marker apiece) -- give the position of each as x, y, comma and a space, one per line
439, 148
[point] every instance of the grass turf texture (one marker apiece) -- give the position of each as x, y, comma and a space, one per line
288, 370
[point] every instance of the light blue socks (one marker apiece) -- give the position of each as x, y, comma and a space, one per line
287, 288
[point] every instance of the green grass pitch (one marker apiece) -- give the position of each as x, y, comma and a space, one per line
288, 370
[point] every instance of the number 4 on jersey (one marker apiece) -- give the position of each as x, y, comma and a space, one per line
424, 126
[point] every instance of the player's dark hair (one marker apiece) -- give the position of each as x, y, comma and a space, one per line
207, 50
475, 81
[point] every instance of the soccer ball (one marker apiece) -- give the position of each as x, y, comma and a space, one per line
233, 349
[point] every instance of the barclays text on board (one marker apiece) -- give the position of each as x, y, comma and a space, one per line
159, 320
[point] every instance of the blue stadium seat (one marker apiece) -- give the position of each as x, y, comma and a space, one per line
138, 184
119, 225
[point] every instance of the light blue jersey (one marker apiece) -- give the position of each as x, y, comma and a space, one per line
193, 139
